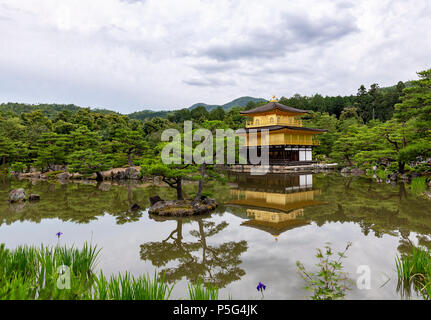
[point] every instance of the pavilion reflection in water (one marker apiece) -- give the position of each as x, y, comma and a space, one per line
275, 203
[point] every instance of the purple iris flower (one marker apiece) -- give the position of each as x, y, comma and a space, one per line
58, 234
260, 287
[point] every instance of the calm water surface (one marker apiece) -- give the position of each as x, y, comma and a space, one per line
261, 228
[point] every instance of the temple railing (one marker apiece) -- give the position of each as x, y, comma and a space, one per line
288, 140
286, 122
287, 162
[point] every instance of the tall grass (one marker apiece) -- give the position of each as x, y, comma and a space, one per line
418, 185
32, 273
28, 273
414, 272
199, 291
127, 287
381, 174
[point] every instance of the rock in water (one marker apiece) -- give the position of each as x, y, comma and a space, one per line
357, 172
132, 173
105, 186
34, 197
154, 200
63, 176
17, 195
135, 207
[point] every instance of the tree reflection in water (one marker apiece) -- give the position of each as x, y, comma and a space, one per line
215, 264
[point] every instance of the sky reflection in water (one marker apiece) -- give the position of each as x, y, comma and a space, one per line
261, 228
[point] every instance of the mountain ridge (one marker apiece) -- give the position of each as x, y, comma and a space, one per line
238, 102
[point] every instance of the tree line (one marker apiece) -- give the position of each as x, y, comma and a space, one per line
388, 127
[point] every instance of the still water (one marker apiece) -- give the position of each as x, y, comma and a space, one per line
263, 225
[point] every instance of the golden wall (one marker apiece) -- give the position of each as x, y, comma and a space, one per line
273, 119
284, 137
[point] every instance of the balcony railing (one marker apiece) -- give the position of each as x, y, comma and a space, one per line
262, 123
289, 142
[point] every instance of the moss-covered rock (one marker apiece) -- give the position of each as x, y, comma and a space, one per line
182, 208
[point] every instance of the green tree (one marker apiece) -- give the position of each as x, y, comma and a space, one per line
345, 147
82, 139
88, 162
412, 137
35, 123
375, 95
7, 148
199, 113
130, 142
171, 174
363, 100
51, 149
217, 114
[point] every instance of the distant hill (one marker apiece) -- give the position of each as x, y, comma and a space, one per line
148, 114
239, 102
49, 110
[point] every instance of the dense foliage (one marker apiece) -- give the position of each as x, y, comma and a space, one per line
385, 127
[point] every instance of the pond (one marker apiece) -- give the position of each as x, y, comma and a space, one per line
263, 225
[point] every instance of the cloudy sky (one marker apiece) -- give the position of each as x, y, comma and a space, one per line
129, 55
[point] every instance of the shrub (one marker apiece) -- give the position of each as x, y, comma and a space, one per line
18, 167
330, 282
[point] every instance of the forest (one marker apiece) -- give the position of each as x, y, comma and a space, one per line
389, 128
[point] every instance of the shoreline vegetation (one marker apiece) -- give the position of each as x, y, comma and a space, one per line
414, 272
61, 273
384, 132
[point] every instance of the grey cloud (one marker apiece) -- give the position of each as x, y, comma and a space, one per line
205, 82
146, 53
344, 5
289, 35
214, 67
262, 72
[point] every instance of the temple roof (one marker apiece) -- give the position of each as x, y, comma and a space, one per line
279, 127
275, 228
288, 207
273, 106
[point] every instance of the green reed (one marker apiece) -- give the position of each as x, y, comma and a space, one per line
414, 271
418, 185
199, 291
127, 287
32, 273
28, 273
381, 174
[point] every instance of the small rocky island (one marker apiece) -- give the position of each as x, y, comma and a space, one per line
19, 195
180, 208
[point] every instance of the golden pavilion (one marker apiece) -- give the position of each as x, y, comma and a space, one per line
289, 142
274, 203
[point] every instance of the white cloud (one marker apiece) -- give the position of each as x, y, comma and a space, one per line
130, 55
